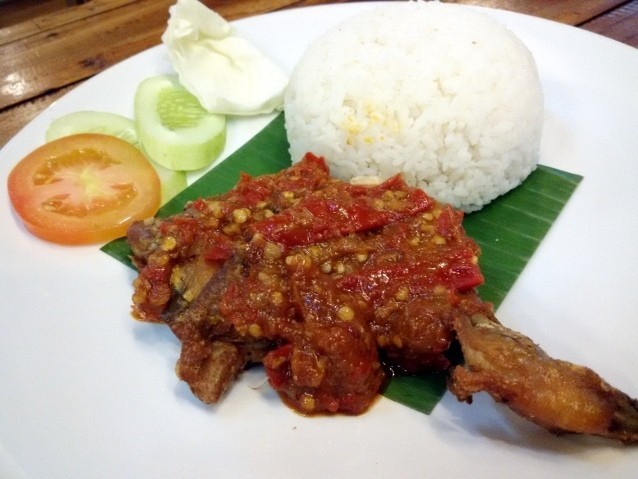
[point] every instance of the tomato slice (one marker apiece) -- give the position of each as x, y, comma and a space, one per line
84, 188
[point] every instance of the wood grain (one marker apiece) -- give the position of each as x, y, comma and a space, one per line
44, 57
620, 24
15, 11
14, 118
83, 47
571, 12
92, 37
59, 18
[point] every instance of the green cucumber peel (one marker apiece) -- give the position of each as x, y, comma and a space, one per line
175, 131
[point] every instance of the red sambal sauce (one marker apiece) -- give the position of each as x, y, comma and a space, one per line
324, 281
347, 278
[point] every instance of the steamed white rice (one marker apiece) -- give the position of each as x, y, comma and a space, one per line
442, 93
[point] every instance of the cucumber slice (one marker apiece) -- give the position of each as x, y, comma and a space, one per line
175, 131
93, 122
172, 181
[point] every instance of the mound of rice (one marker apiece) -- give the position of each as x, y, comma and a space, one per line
442, 93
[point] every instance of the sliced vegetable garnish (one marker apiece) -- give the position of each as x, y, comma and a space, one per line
504, 226
93, 122
227, 73
83, 188
175, 131
172, 181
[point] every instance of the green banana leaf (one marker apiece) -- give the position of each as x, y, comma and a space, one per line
508, 230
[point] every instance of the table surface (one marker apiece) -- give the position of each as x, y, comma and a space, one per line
45, 57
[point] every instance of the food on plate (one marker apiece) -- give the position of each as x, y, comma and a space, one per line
227, 73
331, 285
83, 188
301, 272
444, 94
172, 181
557, 395
89, 121
174, 129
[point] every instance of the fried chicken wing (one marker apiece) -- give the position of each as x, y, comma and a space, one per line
560, 396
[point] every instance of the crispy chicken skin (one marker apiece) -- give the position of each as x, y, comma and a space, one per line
557, 395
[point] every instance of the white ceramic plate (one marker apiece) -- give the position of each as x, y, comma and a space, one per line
86, 392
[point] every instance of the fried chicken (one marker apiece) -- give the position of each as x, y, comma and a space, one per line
557, 395
330, 285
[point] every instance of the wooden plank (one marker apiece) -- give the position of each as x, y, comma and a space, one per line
13, 119
77, 50
42, 23
40, 58
620, 24
16, 11
571, 12
17, 31
95, 36
71, 46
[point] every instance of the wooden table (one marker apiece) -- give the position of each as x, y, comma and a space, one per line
43, 58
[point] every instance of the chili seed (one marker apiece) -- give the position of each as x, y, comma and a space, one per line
169, 243
241, 215
307, 402
402, 293
255, 330
378, 204
272, 251
216, 209
345, 313
440, 240
231, 229
440, 289
300, 259
326, 267
162, 260
276, 298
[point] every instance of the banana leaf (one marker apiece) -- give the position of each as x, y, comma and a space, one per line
508, 230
